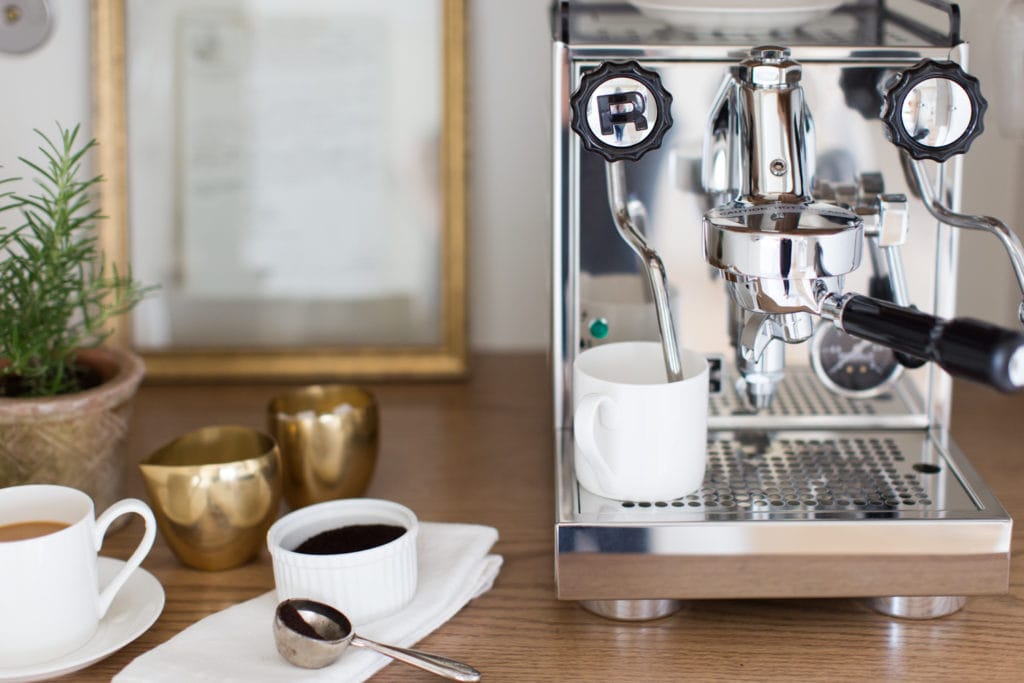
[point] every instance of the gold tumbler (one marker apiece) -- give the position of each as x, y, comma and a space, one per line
328, 439
215, 492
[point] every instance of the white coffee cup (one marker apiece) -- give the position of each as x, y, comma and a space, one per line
638, 436
50, 599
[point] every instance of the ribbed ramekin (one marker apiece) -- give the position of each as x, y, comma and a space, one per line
364, 585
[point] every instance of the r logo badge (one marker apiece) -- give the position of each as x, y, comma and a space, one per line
619, 109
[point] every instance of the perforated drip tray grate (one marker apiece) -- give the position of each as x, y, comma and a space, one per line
820, 513
801, 401
806, 475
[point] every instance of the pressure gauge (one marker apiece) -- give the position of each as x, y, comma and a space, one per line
852, 367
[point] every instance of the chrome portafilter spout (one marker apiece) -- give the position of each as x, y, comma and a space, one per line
778, 260
622, 111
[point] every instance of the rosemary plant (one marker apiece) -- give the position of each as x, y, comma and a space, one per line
57, 294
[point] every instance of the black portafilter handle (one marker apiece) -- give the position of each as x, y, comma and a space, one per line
880, 288
963, 347
621, 111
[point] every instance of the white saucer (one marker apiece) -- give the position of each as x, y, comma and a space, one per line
134, 609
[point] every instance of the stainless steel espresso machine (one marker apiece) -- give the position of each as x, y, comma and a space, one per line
780, 193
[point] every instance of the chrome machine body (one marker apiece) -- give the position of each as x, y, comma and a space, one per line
816, 486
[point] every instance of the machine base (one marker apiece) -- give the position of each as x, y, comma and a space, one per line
904, 607
791, 514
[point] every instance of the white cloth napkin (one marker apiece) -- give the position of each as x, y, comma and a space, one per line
237, 644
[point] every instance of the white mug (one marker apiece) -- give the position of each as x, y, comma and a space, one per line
638, 436
50, 600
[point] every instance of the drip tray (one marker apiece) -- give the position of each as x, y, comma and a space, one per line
792, 514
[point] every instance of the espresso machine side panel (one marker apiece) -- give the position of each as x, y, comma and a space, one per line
563, 241
600, 295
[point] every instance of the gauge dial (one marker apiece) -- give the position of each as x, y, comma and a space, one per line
851, 366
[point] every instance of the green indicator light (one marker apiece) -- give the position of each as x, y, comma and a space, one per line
599, 328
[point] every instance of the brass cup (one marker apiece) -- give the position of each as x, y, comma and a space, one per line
328, 439
215, 492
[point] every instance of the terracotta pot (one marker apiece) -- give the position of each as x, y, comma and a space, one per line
73, 439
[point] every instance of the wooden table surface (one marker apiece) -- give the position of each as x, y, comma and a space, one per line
481, 452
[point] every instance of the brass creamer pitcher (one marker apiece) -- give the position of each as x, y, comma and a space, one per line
215, 492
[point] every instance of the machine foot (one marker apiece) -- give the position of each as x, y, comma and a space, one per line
917, 607
632, 610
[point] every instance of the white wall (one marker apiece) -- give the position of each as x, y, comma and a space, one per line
509, 173
509, 159
50, 84
992, 179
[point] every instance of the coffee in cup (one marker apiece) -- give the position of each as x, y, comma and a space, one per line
50, 599
19, 531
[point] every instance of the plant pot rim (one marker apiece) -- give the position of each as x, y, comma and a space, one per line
123, 371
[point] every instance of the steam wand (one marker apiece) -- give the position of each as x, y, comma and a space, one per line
630, 216
935, 110
621, 111
944, 214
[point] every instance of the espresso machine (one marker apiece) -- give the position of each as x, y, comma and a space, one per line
779, 193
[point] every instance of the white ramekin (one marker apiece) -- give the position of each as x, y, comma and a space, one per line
364, 585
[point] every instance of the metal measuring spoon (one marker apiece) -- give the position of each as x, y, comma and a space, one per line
311, 634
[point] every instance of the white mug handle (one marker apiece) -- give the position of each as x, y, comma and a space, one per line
123, 507
584, 424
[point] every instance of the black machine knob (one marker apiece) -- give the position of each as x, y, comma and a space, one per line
964, 347
621, 111
933, 110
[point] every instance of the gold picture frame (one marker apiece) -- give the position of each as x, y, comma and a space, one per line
444, 357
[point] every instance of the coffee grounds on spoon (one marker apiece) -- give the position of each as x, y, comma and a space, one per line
350, 539
292, 618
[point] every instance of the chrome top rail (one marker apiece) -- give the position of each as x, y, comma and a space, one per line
867, 22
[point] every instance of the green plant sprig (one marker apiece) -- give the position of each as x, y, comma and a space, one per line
57, 294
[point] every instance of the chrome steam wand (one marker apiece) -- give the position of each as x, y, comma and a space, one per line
935, 110
621, 111
630, 220
988, 224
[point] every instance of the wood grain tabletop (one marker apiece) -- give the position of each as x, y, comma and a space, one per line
481, 451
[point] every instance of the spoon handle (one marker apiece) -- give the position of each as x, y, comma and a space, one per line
442, 666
